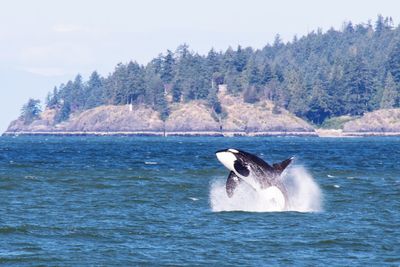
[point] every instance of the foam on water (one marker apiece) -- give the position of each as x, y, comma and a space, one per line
150, 163
303, 192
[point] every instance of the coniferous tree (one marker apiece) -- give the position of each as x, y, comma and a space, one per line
177, 91
64, 112
94, 91
213, 101
160, 101
318, 109
390, 96
266, 74
135, 83
394, 63
52, 100
30, 111
254, 76
277, 41
240, 59
167, 67
117, 86
213, 62
379, 25
77, 94
299, 96
357, 86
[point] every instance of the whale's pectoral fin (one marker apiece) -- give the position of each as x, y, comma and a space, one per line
280, 167
232, 182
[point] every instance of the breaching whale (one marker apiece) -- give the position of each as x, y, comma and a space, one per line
256, 172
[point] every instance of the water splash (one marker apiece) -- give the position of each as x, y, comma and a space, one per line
303, 192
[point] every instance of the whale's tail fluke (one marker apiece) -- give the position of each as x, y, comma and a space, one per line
280, 167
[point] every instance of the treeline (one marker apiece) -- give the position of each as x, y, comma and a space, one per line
321, 75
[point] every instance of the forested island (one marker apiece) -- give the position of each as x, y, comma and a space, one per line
333, 79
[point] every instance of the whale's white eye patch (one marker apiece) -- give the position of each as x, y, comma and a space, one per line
233, 150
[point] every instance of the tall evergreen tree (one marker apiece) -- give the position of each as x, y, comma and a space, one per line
135, 83
390, 96
266, 74
394, 62
318, 109
117, 86
53, 99
77, 95
167, 67
213, 62
213, 101
299, 97
64, 112
240, 59
94, 91
30, 111
254, 76
357, 84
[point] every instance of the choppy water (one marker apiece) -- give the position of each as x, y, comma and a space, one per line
81, 201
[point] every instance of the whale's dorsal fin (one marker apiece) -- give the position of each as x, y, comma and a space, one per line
232, 182
280, 167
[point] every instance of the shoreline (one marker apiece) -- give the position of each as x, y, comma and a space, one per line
159, 133
325, 133
333, 133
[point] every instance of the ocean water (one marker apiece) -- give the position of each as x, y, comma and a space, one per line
141, 201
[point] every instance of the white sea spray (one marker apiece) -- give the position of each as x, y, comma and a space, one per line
304, 195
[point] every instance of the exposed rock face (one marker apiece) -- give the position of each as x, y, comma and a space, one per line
193, 116
258, 117
116, 118
99, 119
44, 123
384, 120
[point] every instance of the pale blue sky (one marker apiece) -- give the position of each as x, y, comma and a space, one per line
46, 42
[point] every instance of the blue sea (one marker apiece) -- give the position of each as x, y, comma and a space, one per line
155, 201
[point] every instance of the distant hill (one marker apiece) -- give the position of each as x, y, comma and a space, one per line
319, 76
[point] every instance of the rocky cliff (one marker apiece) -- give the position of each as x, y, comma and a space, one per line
259, 117
194, 116
384, 120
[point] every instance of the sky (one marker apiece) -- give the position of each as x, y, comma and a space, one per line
44, 43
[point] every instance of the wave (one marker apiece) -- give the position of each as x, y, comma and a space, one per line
304, 195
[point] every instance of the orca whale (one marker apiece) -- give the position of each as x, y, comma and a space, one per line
254, 171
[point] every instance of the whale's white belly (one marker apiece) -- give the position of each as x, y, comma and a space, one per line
274, 198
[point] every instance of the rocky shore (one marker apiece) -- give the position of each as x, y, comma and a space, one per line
148, 133
197, 119
185, 119
340, 133
383, 122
